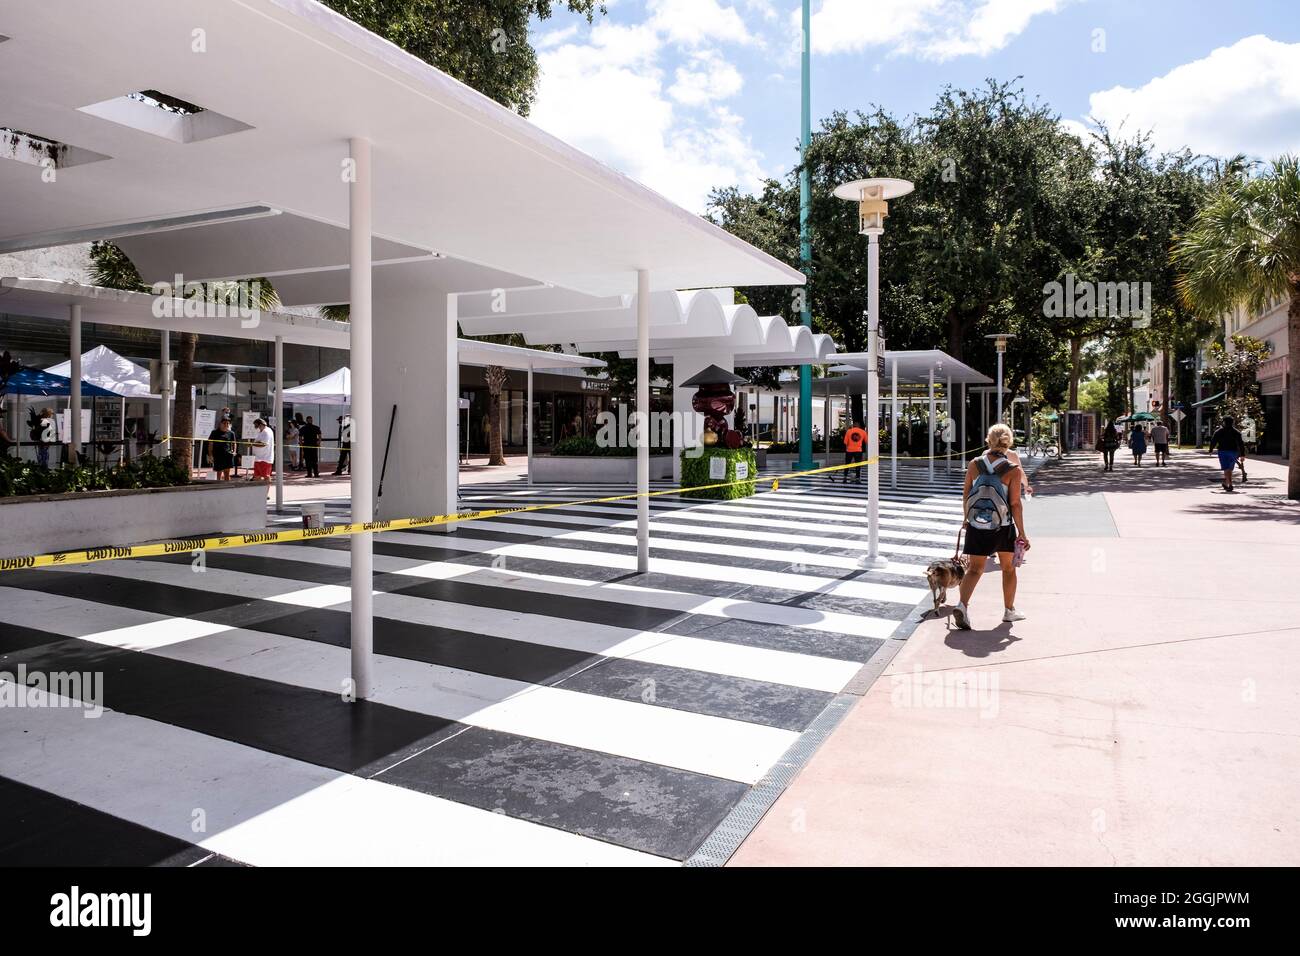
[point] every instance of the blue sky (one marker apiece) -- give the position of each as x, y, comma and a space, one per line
689, 94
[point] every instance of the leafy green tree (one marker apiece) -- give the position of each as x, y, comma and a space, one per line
482, 43
1244, 247
1003, 202
1237, 373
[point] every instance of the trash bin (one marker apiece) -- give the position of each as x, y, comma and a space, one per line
313, 516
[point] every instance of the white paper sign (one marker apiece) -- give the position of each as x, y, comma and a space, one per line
248, 429
717, 468
742, 470
205, 420
246, 461
63, 424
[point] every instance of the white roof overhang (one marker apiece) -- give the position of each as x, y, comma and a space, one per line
913, 367
702, 319
47, 298
454, 173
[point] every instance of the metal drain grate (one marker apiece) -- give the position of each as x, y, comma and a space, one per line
744, 816
727, 836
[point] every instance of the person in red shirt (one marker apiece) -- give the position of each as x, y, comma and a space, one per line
853, 439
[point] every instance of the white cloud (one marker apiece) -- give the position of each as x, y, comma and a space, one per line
1243, 98
931, 29
692, 22
706, 79
609, 96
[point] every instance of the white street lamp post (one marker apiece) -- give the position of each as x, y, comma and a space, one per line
872, 197
1000, 340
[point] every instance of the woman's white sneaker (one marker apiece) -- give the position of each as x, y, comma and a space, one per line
1011, 615
961, 617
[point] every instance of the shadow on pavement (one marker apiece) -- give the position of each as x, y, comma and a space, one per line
975, 643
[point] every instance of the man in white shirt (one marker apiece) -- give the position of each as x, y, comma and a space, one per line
263, 449
1160, 438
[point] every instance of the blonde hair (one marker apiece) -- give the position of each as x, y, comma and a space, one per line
999, 438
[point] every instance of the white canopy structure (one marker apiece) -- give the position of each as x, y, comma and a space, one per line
692, 330
346, 171
103, 367
926, 366
332, 389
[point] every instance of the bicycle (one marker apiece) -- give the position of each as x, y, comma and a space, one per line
1044, 448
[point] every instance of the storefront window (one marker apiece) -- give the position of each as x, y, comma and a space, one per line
516, 434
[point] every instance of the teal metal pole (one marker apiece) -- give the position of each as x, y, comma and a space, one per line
805, 241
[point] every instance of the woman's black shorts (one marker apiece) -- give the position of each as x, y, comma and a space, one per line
984, 543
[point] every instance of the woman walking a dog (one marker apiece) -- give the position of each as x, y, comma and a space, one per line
995, 523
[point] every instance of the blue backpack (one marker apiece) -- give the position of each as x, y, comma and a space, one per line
988, 508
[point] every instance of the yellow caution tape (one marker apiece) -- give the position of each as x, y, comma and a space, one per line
247, 539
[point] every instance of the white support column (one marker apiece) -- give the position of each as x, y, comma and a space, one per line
643, 418
962, 440
999, 384
873, 558
165, 428
826, 422
930, 424
278, 414
363, 462
947, 404
74, 399
528, 418
893, 408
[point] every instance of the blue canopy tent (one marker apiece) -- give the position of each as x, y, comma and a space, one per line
33, 381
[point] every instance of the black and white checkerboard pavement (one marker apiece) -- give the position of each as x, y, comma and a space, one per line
536, 700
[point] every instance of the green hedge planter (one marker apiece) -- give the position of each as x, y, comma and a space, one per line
696, 471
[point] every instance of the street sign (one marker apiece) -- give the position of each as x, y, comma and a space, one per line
1178, 414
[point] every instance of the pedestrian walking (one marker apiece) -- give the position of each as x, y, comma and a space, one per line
263, 450
345, 443
853, 439
995, 523
1160, 440
292, 439
1137, 443
309, 436
220, 452
1231, 446
1107, 443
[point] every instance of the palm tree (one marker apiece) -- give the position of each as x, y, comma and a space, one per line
1244, 246
112, 268
496, 381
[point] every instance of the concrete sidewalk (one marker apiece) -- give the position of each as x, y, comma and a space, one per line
1146, 713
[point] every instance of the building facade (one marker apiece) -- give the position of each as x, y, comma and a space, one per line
1269, 326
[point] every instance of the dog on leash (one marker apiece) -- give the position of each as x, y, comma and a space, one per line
942, 575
